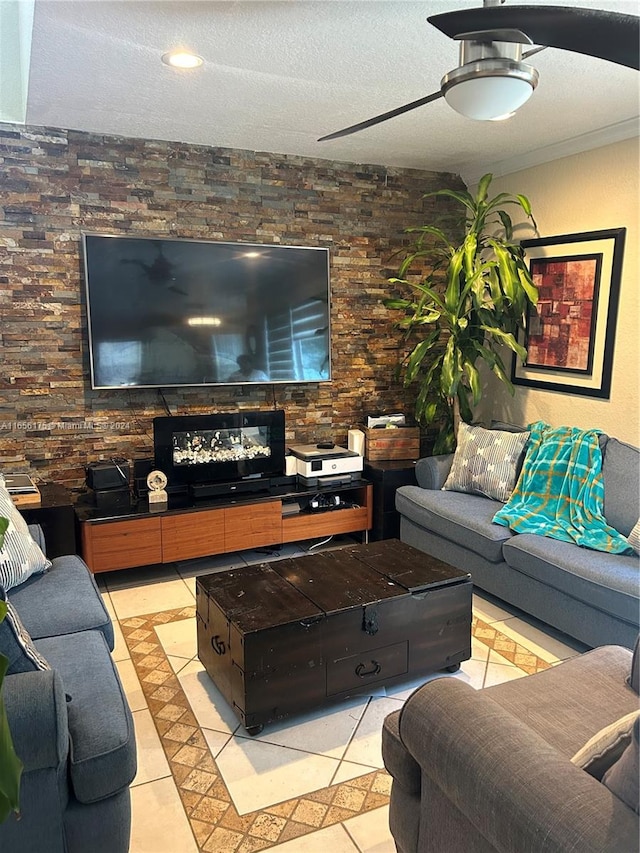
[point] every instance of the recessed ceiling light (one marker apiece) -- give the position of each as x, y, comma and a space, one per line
182, 59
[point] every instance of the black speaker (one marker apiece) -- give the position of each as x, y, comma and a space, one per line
108, 475
112, 499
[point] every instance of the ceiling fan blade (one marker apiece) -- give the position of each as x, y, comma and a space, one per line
606, 35
370, 122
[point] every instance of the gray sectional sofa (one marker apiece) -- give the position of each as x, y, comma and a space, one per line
71, 724
590, 595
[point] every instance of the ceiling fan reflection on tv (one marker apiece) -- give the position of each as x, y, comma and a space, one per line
491, 81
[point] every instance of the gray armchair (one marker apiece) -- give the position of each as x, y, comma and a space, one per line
490, 770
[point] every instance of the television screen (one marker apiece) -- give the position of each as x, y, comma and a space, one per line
169, 312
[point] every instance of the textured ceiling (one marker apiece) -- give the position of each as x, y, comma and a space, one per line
278, 75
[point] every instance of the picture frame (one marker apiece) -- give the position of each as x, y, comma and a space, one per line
570, 334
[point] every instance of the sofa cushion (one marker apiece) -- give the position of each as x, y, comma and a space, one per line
602, 750
486, 462
16, 644
20, 557
65, 600
623, 778
461, 518
103, 751
621, 473
607, 582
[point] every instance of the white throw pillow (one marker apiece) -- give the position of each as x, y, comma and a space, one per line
20, 556
602, 750
486, 462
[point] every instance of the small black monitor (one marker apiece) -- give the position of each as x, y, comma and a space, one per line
214, 448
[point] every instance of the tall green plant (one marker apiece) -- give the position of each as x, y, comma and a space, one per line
471, 303
10, 764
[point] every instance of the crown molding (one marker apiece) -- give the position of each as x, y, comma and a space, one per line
584, 142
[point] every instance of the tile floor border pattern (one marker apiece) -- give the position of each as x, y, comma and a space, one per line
216, 825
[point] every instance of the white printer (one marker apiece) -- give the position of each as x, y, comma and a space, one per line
328, 464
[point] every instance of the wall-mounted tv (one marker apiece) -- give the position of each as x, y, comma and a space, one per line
173, 312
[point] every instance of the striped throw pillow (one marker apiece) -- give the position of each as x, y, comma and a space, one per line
16, 643
20, 557
486, 462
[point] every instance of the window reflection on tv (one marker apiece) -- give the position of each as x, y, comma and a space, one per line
202, 447
168, 312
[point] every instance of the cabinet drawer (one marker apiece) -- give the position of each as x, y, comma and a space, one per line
193, 534
121, 544
367, 667
253, 526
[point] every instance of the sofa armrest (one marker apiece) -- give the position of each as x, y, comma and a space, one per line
37, 534
36, 708
519, 792
432, 471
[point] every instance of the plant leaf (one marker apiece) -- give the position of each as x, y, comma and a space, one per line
10, 764
524, 203
463, 197
473, 376
463, 399
419, 352
506, 338
526, 282
483, 187
452, 293
507, 224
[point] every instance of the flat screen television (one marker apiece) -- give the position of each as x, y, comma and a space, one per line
169, 312
220, 448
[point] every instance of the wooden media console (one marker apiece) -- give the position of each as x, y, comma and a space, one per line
138, 536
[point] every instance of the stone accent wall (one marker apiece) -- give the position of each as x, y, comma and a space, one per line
58, 183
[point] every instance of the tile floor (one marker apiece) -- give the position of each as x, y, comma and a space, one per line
310, 784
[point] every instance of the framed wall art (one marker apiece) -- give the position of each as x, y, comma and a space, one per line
570, 335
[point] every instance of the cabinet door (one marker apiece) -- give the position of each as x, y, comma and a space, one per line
253, 525
121, 544
186, 535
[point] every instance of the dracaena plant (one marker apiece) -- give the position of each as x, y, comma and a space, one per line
469, 305
10, 764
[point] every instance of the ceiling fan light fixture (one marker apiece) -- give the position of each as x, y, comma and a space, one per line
489, 89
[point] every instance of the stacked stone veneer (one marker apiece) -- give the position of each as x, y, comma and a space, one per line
58, 183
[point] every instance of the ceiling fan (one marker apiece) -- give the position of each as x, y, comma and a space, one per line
491, 81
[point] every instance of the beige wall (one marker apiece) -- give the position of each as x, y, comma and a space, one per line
592, 191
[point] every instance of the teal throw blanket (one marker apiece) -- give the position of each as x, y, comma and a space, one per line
560, 492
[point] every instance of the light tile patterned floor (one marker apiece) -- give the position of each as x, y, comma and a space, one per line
309, 784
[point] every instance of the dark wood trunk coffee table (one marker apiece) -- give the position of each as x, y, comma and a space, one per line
283, 637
